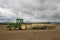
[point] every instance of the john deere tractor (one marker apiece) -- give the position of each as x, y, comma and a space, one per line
18, 25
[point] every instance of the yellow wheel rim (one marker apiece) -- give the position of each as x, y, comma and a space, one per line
23, 26
12, 28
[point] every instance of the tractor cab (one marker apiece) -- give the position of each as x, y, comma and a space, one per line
19, 21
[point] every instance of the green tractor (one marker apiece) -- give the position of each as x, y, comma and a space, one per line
19, 24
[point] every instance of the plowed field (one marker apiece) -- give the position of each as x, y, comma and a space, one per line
29, 34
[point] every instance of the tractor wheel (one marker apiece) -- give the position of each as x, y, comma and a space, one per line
12, 28
23, 27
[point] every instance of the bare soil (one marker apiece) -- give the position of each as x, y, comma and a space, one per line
29, 34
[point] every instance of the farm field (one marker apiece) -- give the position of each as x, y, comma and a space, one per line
29, 34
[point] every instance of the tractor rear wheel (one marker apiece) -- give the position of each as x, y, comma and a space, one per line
23, 27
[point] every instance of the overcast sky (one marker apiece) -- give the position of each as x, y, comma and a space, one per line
30, 10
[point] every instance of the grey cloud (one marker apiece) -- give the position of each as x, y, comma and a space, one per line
44, 9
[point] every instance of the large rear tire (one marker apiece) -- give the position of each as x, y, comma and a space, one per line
23, 27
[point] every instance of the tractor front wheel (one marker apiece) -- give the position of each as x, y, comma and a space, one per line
12, 28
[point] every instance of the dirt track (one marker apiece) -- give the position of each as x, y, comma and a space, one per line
30, 35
